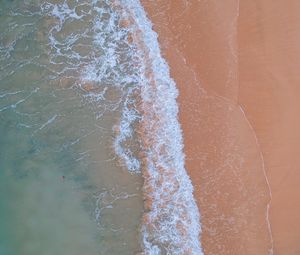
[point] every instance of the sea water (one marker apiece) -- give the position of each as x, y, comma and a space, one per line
91, 157
61, 188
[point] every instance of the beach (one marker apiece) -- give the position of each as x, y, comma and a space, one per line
235, 65
149, 127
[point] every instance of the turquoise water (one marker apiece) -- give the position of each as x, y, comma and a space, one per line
62, 189
91, 150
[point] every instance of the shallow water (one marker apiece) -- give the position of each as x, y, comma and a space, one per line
89, 109
62, 189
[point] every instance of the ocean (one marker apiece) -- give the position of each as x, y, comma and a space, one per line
91, 150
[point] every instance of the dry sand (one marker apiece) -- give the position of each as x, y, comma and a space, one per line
235, 64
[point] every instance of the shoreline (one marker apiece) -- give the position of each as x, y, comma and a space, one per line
222, 154
166, 185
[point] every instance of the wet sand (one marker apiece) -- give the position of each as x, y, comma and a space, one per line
235, 65
269, 38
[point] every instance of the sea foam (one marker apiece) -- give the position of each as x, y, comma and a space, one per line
171, 222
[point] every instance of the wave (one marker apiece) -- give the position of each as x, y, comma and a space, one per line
126, 61
171, 222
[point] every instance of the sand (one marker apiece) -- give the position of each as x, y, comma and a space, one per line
269, 38
235, 65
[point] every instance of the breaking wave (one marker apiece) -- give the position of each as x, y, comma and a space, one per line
171, 219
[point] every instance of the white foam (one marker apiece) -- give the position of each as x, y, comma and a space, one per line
172, 224
126, 132
61, 11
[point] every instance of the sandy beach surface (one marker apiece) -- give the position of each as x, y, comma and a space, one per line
235, 64
269, 57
